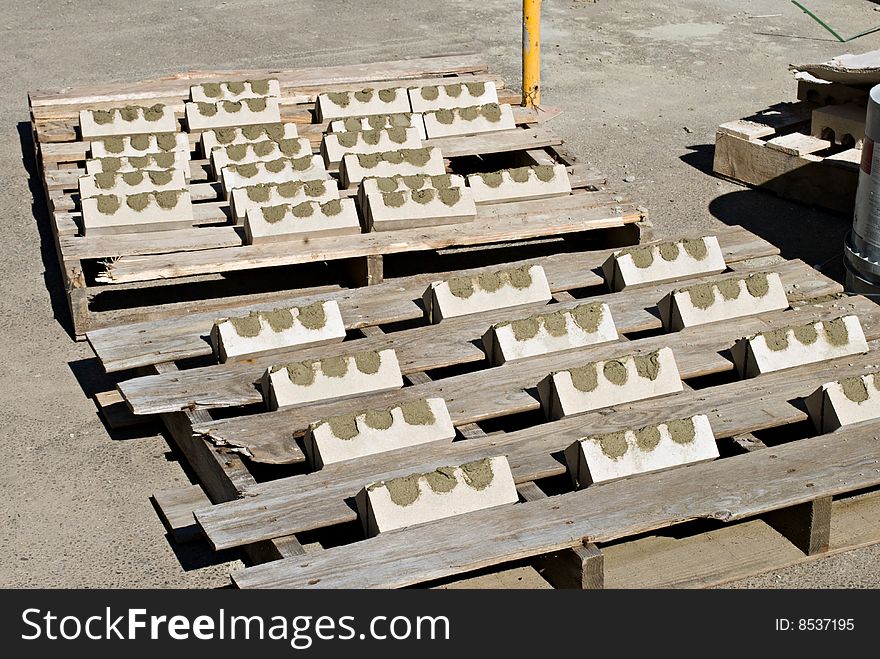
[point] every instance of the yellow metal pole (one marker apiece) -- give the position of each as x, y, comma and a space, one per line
531, 53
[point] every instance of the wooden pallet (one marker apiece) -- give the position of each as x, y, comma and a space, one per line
117, 279
748, 512
773, 149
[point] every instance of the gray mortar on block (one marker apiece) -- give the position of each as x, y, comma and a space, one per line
464, 287
648, 366
613, 445
415, 413
647, 438
415, 157
682, 431
129, 113
311, 317
835, 332
584, 378
855, 389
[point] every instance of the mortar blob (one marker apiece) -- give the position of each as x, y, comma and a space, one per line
855, 389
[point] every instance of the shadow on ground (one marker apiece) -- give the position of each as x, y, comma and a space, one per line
812, 235
40, 210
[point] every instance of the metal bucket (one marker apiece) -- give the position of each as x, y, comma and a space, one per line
862, 247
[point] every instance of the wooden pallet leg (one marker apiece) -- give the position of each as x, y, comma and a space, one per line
222, 477
579, 567
807, 525
366, 270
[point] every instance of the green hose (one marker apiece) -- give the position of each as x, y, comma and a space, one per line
831, 29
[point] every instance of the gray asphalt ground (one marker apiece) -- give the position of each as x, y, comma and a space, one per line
643, 86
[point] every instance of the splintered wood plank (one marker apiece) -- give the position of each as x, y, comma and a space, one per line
509, 140
741, 487
455, 341
797, 144
141, 344
516, 221
318, 500
156, 242
116, 412
179, 84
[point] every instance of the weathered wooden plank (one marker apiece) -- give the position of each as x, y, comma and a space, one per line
317, 500
516, 221
176, 507
455, 341
742, 486
696, 352
179, 84
500, 142
806, 179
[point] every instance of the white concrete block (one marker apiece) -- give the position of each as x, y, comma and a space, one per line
276, 194
487, 118
722, 299
129, 183
445, 492
265, 151
265, 331
355, 167
283, 170
616, 455
139, 145
786, 347
844, 402
333, 377
378, 121
534, 182
246, 135
202, 116
339, 105
541, 334
500, 289
336, 145
840, 123
212, 92
453, 95
146, 211
151, 162
648, 264
127, 120
609, 382
337, 217
388, 211
350, 436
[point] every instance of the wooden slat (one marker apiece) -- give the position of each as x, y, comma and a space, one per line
696, 352
741, 487
141, 344
516, 221
456, 341
500, 142
178, 85
310, 501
